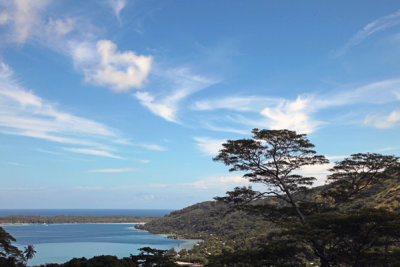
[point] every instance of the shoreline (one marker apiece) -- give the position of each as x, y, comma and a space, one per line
20, 224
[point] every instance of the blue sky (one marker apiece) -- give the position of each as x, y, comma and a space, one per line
122, 104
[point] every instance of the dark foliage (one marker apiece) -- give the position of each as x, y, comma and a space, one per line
367, 237
153, 257
98, 261
327, 228
356, 173
10, 255
274, 253
270, 158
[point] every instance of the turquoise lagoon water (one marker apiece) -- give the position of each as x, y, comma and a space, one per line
57, 243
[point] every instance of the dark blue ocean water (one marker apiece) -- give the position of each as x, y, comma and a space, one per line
85, 212
57, 243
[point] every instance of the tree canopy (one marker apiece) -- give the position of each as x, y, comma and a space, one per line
325, 228
271, 158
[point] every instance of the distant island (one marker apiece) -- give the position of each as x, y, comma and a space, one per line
22, 219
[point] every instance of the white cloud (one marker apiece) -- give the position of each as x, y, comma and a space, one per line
111, 170
11, 163
160, 108
219, 182
208, 145
83, 53
380, 92
152, 147
47, 151
397, 95
336, 157
23, 17
120, 71
371, 28
298, 114
93, 152
319, 171
24, 113
143, 145
383, 122
59, 27
238, 103
292, 115
4, 17
117, 6
212, 127
182, 83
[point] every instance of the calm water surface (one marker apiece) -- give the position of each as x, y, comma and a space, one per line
57, 243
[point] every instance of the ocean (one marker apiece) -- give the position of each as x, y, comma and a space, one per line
58, 243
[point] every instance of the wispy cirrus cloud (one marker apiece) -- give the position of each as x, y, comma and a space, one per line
24, 113
299, 114
221, 182
11, 163
370, 29
154, 147
182, 83
383, 121
57, 28
22, 17
209, 146
99, 60
94, 152
117, 6
111, 170
238, 103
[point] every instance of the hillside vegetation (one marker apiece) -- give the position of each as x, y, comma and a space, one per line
225, 230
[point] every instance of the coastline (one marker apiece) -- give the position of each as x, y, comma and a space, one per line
188, 243
61, 219
21, 224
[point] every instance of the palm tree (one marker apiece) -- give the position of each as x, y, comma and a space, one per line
29, 252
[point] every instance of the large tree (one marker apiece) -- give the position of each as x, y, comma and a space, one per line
271, 158
355, 174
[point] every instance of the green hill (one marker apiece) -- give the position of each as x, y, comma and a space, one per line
223, 230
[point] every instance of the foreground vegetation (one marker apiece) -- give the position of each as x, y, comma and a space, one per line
352, 221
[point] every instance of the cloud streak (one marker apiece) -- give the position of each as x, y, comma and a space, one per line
93, 152
117, 6
299, 114
370, 29
383, 122
111, 170
218, 182
24, 113
23, 18
209, 146
182, 83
